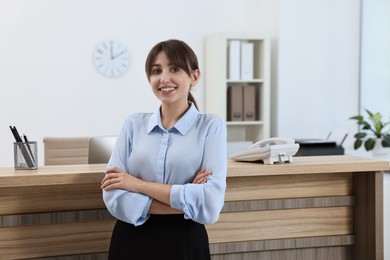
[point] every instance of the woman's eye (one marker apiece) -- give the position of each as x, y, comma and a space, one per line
156, 71
175, 69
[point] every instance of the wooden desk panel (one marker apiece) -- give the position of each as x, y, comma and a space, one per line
314, 208
288, 186
19, 200
26, 242
281, 224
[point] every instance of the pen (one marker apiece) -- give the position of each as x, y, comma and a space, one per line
27, 158
28, 147
16, 134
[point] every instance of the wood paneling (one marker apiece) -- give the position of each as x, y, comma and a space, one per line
281, 244
18, 200
277, 224
98, 256
55, 217
27, 242
327, 253
317, 208
288, 186
368, 211
318, 202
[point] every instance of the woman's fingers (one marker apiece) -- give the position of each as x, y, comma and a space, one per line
107, 181
113, 169
109, 176
113, 172
202, 176
113, 176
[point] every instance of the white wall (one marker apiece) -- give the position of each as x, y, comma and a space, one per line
375, 69
50, 88
318, 59
48, 84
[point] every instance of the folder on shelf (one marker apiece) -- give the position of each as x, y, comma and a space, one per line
235, 106
246, 60
249, 103
234, 59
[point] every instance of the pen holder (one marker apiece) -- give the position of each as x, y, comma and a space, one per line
26, 155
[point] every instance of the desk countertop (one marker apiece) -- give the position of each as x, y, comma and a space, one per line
309, 165
93, 173
52, 175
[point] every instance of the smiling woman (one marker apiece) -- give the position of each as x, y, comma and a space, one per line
166, 55
167, 173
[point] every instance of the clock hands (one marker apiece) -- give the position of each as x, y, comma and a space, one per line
112, 54
119, 54
111, 58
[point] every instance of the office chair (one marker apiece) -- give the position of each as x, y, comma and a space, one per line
100, 148
65, 150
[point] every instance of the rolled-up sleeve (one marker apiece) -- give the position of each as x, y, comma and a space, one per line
204, 202
127, 206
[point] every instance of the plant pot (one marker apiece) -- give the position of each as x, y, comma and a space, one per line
378, 148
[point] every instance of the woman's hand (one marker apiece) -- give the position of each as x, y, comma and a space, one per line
117, 179
201, 177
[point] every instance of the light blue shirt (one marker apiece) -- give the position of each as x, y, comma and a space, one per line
171, 156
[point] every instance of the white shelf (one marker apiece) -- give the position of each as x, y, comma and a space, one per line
217, 83
243, 123
245, 81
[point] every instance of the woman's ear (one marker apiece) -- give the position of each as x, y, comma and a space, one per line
195, 77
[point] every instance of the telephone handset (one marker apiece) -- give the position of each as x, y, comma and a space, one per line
270, 150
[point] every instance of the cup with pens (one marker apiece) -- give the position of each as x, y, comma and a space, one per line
25, 152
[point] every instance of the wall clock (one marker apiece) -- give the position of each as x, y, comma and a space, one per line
111, 58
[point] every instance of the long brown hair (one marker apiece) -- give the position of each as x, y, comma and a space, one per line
179, 54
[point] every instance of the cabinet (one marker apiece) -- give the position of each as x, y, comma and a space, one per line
217, 80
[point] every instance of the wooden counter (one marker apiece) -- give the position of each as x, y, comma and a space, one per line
319, 207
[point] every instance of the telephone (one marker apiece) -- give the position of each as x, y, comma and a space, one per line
270, 150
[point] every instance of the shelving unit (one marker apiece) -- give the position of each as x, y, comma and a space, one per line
217, 83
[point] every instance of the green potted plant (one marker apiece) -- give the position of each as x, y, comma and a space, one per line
372, 131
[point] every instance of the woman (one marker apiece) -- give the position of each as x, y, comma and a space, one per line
167, 174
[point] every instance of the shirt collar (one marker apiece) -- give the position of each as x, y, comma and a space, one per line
182, 126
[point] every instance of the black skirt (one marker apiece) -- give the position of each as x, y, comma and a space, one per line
160, 237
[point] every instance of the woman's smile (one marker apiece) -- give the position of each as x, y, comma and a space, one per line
167, 90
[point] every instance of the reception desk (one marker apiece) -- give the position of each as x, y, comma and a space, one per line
320, 207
